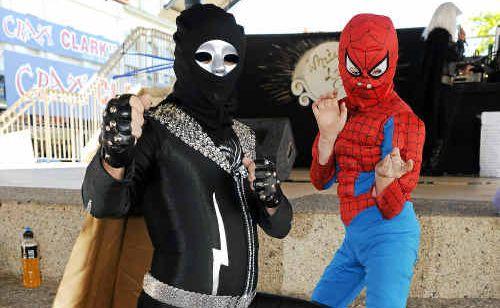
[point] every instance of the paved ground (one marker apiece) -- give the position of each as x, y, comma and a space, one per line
443, 303
13, 295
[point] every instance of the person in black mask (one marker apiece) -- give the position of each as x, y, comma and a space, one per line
209, 47
189, 168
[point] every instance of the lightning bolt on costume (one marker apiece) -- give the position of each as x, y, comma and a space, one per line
185, 175
382, 232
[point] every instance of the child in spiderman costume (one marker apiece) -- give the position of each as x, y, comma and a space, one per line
370, 142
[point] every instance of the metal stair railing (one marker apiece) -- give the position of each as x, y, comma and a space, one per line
143, 48
62, 123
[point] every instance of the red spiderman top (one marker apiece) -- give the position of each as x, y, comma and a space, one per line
378, 121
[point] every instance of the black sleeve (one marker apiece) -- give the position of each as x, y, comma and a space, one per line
277, 225
103, 196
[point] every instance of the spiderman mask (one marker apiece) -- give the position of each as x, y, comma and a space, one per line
368, 54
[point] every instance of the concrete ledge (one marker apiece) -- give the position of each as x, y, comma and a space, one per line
329, 204
457, 257
50, 196
326, 203
458, 251
56, 227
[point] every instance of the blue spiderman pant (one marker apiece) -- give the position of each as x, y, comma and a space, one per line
377, 253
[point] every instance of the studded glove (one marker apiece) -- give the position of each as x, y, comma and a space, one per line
266, 184
116, 139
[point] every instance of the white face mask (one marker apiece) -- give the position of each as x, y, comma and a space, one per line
217, 57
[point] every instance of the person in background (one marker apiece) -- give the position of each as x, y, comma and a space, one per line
443, 45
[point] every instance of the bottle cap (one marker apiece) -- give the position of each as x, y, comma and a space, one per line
28, 232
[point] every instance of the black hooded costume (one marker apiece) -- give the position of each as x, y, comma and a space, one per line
187, 179
209, 98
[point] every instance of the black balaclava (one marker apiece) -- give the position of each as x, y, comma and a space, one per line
210, 99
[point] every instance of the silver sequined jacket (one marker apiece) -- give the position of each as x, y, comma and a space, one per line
199, 210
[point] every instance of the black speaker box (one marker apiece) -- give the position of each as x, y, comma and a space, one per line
274, 138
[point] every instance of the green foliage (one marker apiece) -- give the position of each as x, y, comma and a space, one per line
485, 25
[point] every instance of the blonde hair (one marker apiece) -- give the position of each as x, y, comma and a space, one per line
444, 17
157, 95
